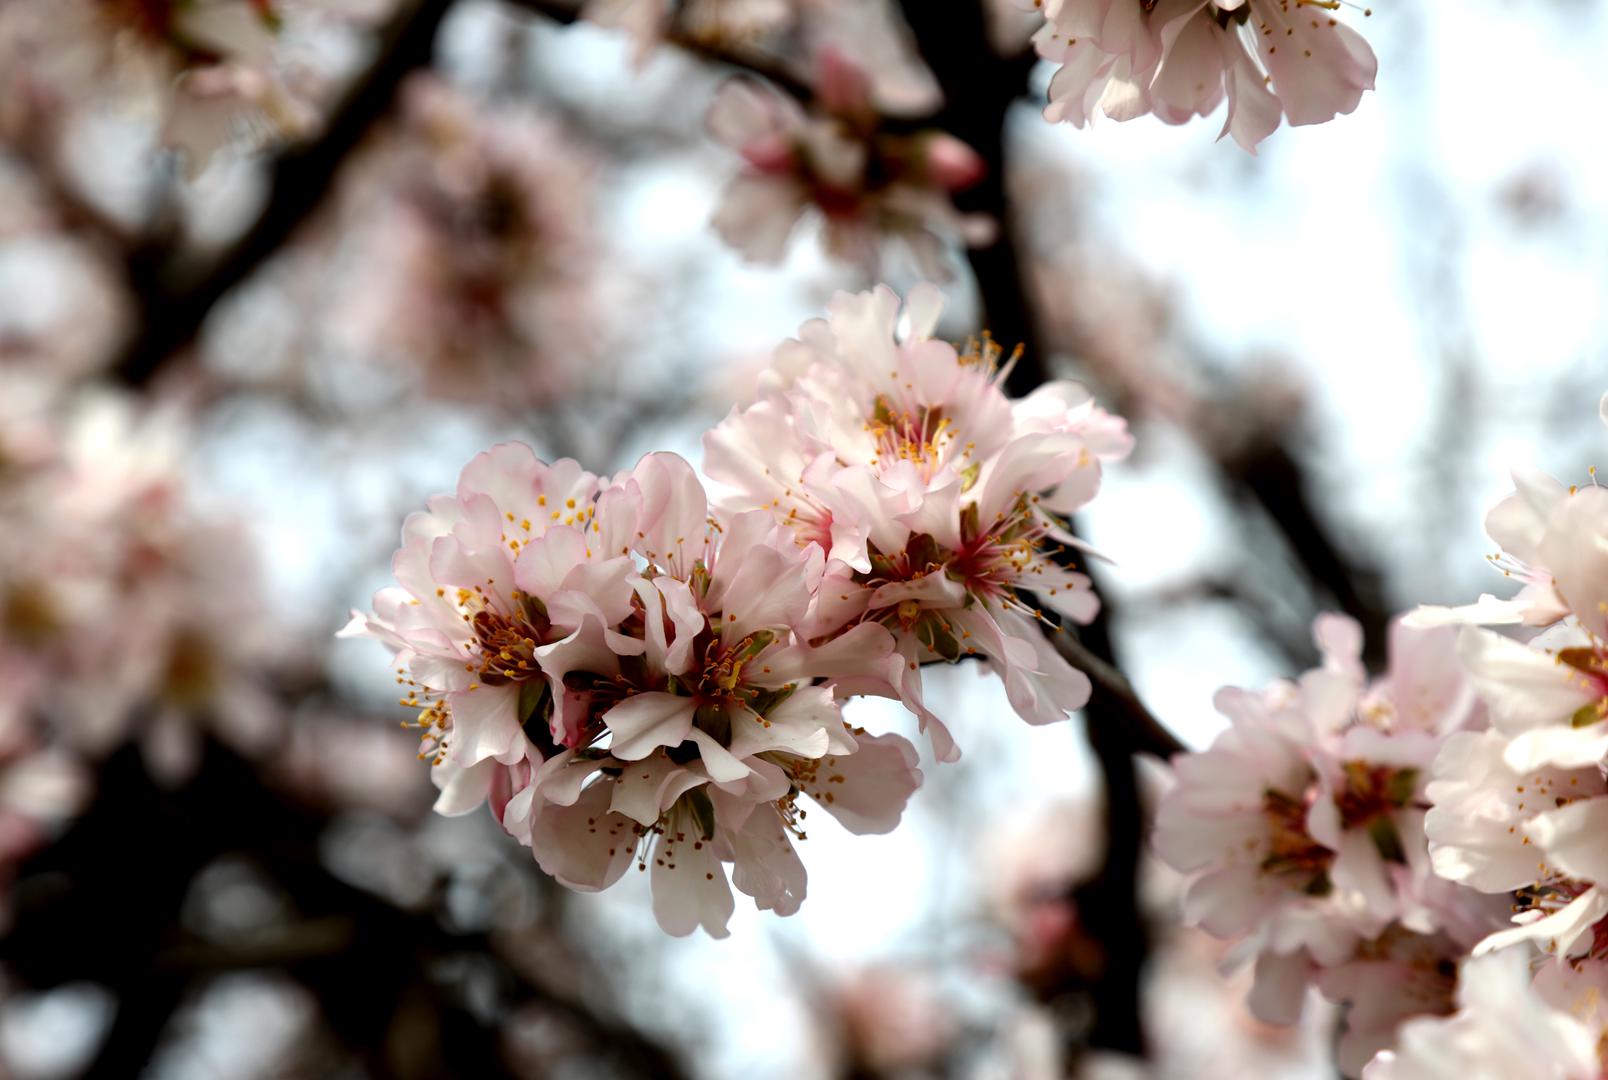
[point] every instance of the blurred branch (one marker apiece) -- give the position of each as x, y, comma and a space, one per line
979, 88
376, 968
174, 294
1147, 734
565, 14
1268, 474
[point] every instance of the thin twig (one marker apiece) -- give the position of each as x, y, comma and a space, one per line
1148, 734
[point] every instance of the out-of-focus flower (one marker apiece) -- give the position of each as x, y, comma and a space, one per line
40, 786
135, 614
866, 183
61, 312
1032, 865
1303, 829
204, 71
1177, 59
936, 497
479, 263
892, 1021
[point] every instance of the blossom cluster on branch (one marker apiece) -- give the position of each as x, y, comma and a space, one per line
1272, 60
635, 670
1367, 838
866, 183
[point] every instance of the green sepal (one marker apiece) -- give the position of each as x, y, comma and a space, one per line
703, 812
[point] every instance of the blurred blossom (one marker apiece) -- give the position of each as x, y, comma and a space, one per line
61, 309
1033, 864
1303, 828
475, 259
868, 185
244, 1025
892, 1023
41, 787
127, 613
203, 74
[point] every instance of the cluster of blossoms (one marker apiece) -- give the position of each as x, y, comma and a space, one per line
1457, 809
866, 183
474, 229
630, 671
1178, 59
1302, 828
206, 72
1520, 810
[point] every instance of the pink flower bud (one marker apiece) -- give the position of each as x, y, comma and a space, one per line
952, 164
841, 85
771, 154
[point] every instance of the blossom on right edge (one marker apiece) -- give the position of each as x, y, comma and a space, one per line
1301, 830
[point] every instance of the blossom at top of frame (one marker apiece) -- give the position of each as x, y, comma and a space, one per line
1271, 60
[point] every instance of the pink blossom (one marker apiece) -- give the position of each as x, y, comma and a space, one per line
1302, 831
622, 677
936, 498
835, 160
1177, 59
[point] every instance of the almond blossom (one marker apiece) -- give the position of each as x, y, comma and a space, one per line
1550, 539
940, 502
1176, 59
1302, 828
867, 184
1521, 808
621, 677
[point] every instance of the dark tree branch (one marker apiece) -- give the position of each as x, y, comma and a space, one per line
979, 88
374, 966
1146, 733
743, 59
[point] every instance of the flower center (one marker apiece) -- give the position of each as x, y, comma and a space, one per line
1291, 851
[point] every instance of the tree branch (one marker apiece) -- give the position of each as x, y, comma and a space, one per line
747, 60
1147, 734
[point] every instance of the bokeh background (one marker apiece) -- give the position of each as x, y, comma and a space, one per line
226, 375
